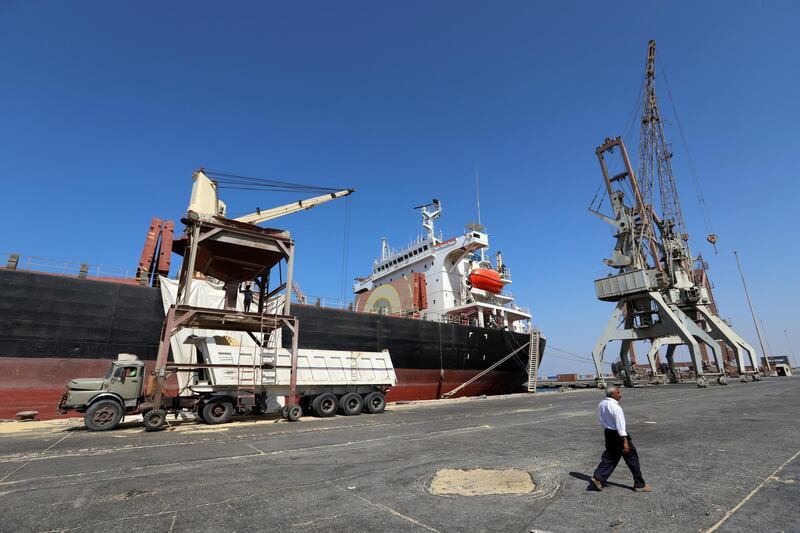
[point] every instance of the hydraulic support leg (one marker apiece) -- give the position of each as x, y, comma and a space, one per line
609, 333
624, 355
656, 346
725, 333
673, 377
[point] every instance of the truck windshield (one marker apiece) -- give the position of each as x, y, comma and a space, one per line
111, 370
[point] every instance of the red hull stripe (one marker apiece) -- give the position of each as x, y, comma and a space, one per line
36, 384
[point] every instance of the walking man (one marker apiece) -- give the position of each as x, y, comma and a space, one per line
618, 443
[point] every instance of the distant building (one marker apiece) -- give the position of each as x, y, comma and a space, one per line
777, 360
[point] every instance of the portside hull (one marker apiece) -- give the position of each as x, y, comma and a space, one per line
54, 328
35, 384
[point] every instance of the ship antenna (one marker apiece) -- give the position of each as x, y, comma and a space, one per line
478, 191
478, 198
429, 216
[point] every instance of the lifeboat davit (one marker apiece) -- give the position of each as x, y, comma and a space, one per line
486, 279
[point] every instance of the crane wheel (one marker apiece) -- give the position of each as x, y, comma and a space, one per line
294, 413
154, 420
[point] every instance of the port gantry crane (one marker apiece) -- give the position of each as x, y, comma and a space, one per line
232, 251
654, 288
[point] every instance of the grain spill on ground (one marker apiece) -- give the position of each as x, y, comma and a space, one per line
480, 482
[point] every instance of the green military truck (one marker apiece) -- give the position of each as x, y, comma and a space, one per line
329, 382
106, 400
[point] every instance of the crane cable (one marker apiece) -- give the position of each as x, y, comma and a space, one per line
345, 248
227, 180
573, 356
692, 172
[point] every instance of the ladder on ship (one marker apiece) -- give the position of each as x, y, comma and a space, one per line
533, 360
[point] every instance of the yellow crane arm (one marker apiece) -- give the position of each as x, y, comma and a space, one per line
268, 214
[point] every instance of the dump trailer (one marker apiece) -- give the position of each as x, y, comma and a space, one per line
234, 380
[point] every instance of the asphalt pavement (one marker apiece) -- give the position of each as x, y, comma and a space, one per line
722, 457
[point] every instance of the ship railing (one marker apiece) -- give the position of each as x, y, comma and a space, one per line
65, 268
323, 301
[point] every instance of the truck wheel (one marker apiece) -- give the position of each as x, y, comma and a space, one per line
294, 413
154, 420
375, 402
198, 412
217, 411
325, 405
351, 404
103, 415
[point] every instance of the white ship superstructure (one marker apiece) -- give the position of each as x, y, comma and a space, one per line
459, 284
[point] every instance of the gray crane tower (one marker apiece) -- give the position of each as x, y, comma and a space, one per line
657, 298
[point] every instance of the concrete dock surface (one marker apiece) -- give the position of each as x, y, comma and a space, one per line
722, 458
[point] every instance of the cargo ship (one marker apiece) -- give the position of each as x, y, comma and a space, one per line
440, 307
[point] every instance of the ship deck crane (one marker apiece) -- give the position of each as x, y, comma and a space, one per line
205, 202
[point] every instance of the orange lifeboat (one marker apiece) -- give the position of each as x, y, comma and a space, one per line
486, 279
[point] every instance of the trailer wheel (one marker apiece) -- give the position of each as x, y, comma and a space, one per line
217, 411
154, 420
198, 412
375, 402
103, 415
351, 404
325, 405
294, 413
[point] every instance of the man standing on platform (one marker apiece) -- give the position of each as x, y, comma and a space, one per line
618, 443
248, 297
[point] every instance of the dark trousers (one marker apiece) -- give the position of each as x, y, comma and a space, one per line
612, 456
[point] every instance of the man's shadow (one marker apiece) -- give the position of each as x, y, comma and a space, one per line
590, 487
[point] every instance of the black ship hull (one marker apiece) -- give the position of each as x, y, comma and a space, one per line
54, 328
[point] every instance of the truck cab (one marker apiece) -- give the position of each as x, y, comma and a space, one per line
106, 400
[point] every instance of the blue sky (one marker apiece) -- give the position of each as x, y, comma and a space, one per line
106, 109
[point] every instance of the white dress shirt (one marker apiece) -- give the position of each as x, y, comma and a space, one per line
611, 416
